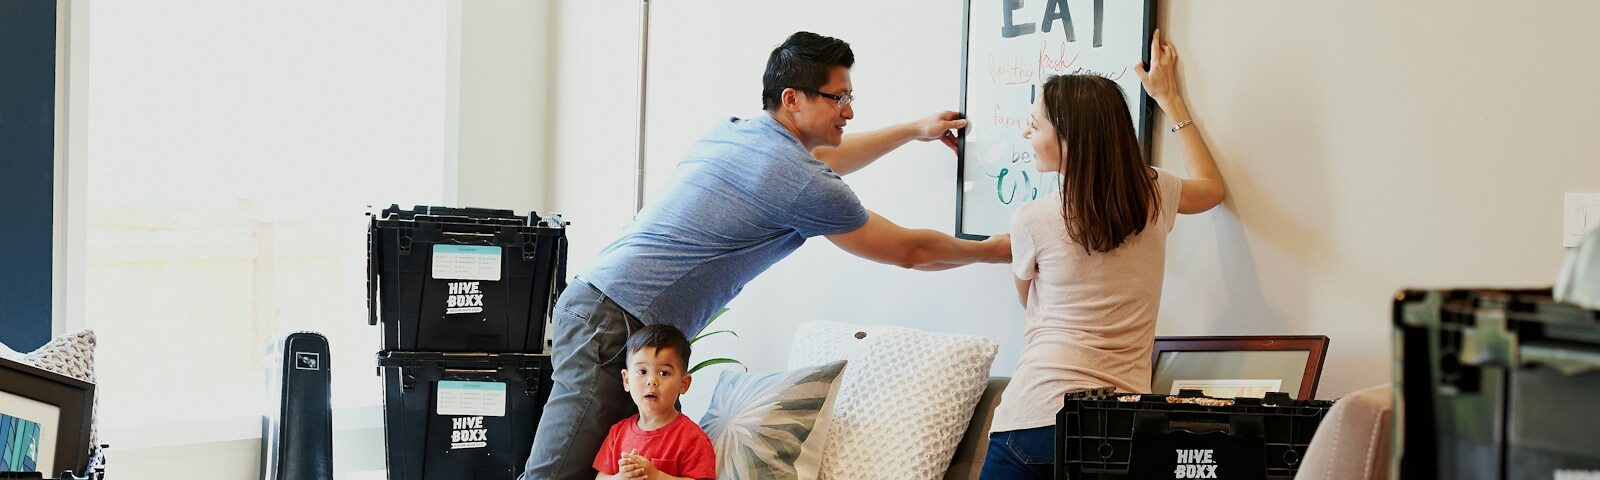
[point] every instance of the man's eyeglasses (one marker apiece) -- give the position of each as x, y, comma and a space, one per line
842, 100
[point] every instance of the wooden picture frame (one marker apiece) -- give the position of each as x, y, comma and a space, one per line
1316, 347
72, 398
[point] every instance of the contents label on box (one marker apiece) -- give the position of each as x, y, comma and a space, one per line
466, 262
471, 398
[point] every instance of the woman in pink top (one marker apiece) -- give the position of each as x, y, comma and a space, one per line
1089, 260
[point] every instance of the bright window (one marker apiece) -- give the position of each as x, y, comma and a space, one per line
232, 151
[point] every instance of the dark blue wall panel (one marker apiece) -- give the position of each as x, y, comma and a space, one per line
27, 166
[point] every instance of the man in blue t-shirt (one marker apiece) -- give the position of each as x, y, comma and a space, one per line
743, 197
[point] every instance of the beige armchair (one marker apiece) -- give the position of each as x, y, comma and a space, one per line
1352, 443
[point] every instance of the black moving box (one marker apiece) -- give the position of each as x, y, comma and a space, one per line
1496, 384
463, 279
1103, 435
460, 415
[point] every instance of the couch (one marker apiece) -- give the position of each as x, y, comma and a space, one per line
968, 460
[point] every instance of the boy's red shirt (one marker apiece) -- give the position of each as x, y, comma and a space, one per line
679, 448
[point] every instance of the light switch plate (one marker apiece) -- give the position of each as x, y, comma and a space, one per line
1580, 214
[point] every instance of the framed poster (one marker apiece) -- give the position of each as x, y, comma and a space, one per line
44, 420
1010, 48
27, 434
1239, 366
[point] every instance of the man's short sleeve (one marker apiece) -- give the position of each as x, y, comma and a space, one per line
1024, 257
826, 206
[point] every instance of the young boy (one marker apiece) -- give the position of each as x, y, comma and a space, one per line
658, 443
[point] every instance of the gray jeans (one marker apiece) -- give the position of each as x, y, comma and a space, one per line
591, 334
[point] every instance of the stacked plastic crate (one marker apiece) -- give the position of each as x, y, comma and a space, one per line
1496, 384
1104, 435
464, 297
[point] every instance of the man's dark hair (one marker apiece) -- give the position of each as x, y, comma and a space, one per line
660, 337
803, 61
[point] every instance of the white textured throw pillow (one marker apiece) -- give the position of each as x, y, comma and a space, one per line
71, 355
903, 403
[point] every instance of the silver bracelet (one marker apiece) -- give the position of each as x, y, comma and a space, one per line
1181, 124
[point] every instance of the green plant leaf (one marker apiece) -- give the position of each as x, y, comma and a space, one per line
716, 361
714, 317
707, 334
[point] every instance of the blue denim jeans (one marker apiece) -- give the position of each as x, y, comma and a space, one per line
588, 353
1024, 454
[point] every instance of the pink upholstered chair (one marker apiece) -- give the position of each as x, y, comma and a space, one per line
1352, 443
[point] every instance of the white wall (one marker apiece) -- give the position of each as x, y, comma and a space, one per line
1371, 146
593, 117
499, 67
1368, 146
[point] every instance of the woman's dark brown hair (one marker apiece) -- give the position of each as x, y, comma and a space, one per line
1108, 193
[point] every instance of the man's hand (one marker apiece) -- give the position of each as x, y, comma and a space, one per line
998, 248
940, 126
857, 150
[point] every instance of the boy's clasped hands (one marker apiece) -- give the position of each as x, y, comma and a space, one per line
633, 466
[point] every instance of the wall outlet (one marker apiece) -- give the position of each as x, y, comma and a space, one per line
1580, 214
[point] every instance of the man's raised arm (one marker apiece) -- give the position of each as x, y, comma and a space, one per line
858, 150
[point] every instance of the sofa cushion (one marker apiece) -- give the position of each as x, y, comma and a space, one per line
903, 403
765, 426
